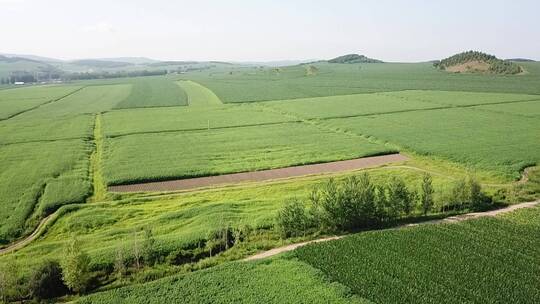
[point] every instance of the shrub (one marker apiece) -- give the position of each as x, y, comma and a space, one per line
75, 267
46, 281
292, 219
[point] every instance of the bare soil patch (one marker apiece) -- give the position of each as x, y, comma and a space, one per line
469, 67
264, 175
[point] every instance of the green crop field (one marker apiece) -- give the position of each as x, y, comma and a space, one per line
62, 145
255, 84
135, 121
275, 281
58, 170
16, 101
153, 92
219, 151
491, 260
484, 140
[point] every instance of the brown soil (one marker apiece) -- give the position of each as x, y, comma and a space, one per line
199, 182
469, 67
452, 219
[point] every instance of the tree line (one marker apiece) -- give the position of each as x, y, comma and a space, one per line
358, 203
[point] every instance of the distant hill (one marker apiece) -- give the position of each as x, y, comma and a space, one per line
31, 57
132, 60
354, 58
95, 63
477, 62
520, 60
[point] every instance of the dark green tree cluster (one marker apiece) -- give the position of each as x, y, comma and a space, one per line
354, 58
358, 203
496, 65
105, 75
348, 205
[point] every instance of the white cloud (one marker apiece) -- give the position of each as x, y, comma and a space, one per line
100, 27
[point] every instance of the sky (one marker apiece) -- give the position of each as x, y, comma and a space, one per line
257, 30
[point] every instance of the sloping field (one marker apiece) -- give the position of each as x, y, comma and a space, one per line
263, 175
347, 105
162, 156
135, 121
153, 92
89, 100
279, 281
198, 96
19, 100
528, 108
487, 260
256, 84
45, 129
456, 98
37, 177
484, 140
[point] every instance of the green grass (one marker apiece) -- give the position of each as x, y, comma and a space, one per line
199, 153
134, 121
198, 96
156, 91
38, 177
489, 260
273, 281
480, 139
19, 100
178, 220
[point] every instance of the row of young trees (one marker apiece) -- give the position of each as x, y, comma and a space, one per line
73, 273
358, 203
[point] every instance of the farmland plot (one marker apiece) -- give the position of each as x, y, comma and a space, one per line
15, 101
484, 140
153, 92
154, 120
277, 281
347, 105
488, 260
89, 100
456, 98
198, 95
150, 157
38, 177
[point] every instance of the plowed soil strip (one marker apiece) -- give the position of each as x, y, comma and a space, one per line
264, 175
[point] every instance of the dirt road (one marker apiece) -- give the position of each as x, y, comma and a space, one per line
264, 175
21, 243
452, 219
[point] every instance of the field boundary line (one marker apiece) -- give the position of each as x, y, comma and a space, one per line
450, 219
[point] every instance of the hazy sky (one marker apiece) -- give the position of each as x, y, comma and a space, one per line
236, 30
